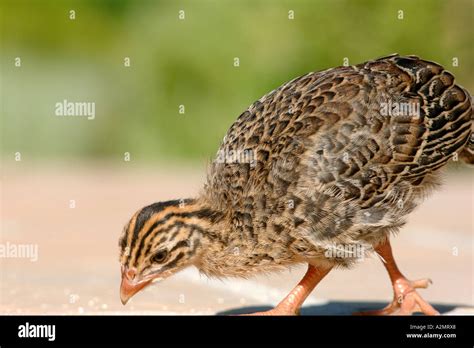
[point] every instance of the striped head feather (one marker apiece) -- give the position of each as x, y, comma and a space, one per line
160, 240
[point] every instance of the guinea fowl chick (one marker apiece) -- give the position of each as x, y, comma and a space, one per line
331, 161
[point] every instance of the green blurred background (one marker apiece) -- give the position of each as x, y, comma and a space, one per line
190, 62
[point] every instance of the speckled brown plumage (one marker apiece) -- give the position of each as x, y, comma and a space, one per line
314, 164
329, 168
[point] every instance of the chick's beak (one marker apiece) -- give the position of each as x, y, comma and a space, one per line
130, 286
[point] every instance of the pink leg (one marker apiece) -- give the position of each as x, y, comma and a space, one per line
291, 304
406, 299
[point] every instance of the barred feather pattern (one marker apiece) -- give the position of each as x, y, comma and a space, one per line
321, 161
329, 168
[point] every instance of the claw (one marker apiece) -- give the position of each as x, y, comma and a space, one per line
406, 299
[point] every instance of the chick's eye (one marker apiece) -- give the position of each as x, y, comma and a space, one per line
159, 256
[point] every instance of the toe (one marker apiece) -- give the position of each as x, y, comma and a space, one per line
408, 305
421, 283
406, 300
413, 303
424, 306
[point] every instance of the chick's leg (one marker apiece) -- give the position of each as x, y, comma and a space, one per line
406, 299
291, 304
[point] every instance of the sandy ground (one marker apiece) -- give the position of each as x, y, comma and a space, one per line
77, 270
